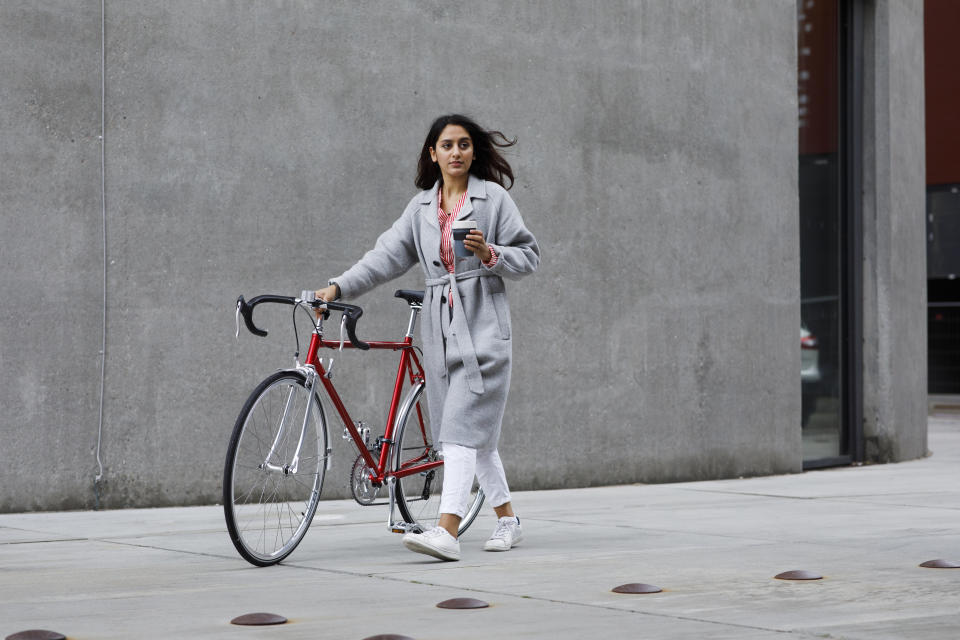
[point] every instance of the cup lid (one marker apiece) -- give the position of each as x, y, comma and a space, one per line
464, 224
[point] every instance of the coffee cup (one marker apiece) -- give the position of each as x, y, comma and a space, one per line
460, 230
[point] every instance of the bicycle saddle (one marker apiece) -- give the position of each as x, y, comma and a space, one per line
412, 297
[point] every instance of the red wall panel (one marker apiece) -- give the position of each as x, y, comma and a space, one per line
942, 79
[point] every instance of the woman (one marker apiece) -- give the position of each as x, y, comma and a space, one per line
466, 319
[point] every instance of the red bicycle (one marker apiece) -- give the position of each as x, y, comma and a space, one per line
280, 448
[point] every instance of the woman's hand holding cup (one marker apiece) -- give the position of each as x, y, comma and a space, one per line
477, 244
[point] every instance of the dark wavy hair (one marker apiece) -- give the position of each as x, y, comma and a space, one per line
487, 164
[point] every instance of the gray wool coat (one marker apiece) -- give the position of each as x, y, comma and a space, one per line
467, 356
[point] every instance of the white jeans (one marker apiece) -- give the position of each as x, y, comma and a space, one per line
460, 464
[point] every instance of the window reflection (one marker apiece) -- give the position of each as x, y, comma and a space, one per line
820, 228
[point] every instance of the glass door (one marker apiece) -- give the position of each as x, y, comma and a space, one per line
827, 230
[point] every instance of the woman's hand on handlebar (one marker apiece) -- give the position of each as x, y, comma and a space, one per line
327, 294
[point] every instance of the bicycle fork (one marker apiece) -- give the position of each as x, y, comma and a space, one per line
294, 466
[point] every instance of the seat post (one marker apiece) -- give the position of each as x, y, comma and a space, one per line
414, 311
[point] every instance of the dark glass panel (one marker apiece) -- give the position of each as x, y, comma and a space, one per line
821, 227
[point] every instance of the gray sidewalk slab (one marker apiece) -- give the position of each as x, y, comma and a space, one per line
713, 547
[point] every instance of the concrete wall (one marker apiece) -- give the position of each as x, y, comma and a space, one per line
894, 301
50, 253
259, 147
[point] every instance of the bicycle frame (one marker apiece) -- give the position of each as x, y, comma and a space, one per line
408, 368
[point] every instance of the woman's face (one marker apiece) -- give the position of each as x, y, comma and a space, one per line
453, 152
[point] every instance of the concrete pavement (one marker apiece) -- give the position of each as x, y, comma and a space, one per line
713, 547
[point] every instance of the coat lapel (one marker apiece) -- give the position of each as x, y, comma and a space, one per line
429, 225
476, 188
429, 204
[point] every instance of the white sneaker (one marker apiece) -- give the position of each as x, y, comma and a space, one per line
436, 542
506, 535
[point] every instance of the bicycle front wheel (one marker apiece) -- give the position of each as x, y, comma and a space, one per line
418, 495
274, 469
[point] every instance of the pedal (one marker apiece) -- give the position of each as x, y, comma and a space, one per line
405, 527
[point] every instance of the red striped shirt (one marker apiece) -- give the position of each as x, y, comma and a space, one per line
446, 233
446, 230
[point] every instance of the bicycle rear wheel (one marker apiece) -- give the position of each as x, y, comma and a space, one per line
269, 496
418, 495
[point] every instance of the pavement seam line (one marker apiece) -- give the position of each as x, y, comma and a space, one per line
12, 542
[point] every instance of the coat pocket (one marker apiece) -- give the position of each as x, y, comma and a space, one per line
496, 293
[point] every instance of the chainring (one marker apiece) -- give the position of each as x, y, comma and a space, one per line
362, 488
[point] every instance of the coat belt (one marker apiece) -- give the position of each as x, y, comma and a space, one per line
458, 325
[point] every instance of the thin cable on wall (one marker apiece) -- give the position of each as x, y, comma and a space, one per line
103, 216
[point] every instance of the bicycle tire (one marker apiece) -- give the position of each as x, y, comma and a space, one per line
418, 495
268, 510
